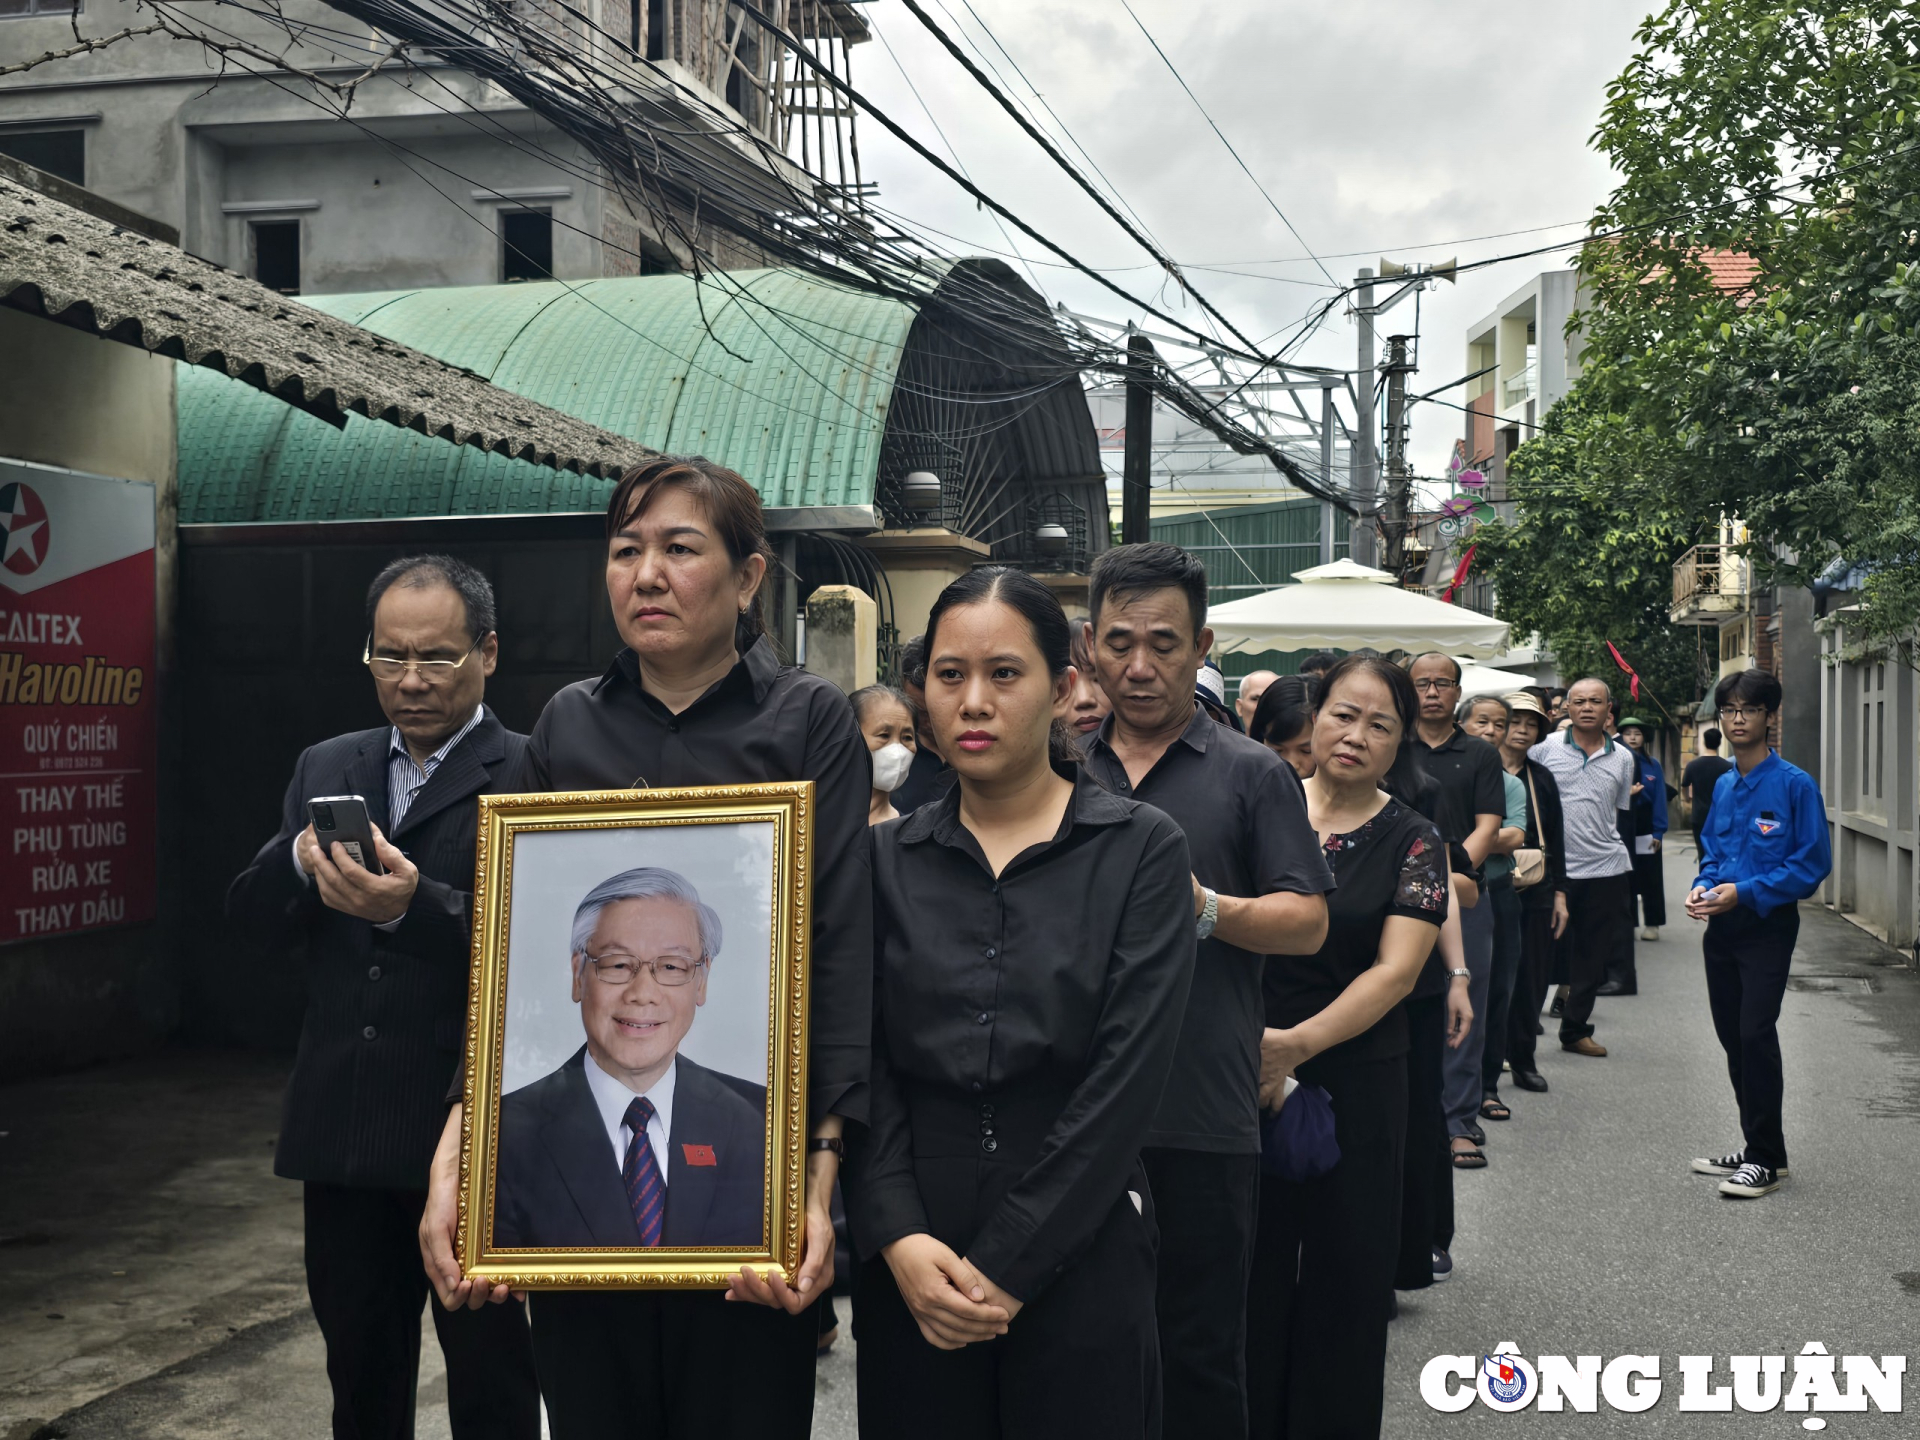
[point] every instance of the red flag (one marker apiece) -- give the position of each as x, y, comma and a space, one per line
1466, 564
699, 1154
1633, 688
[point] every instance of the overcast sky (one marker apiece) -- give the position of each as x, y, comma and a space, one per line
1402, 128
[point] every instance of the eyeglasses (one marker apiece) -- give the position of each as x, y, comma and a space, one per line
618, 968
1434, 687
434, 672
1743, 712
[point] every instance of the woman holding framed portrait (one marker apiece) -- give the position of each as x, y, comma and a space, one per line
1034, 941
696, 697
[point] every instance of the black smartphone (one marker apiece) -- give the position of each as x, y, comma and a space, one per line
344, 818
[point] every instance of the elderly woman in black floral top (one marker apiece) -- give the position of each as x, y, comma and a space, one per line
1322, 1287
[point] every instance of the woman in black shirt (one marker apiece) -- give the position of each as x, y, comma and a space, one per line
698, 697
1033, 944
1325, 1249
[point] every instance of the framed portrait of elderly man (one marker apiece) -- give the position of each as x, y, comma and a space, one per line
636, 1037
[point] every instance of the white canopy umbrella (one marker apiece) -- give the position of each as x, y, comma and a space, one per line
1347, 606
1485, 680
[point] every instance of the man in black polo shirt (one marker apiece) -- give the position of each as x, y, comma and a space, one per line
1259, 888
1469, 802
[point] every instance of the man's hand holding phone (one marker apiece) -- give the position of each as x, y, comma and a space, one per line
352, 889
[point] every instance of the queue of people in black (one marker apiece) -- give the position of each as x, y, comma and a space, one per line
1077, 939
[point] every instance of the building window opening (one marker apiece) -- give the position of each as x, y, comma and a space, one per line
656, 28
20, 9
276, 255
58, 152
526, 245
743, 95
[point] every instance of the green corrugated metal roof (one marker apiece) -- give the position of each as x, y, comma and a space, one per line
792, 392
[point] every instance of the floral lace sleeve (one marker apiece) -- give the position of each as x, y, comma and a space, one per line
1422, 891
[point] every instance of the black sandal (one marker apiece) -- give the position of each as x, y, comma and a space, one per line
1474, 1159
1492, 1108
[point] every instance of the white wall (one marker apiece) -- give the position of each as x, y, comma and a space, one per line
1868, 740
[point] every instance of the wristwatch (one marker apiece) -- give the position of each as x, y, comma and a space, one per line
1460, 974
831, 1142
1209, 914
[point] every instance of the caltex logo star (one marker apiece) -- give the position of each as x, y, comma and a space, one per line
23, 528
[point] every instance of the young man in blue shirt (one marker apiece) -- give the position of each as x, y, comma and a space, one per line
1764, 849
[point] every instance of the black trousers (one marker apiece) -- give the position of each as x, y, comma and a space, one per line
1530, 984
1080, 1359
673, 1365
1650, 884
1501, 984
1426, 1189
367, 1286
1600, 916
1747, 963
1324, 1256
1206, 1206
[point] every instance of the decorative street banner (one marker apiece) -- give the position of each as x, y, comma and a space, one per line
78, 709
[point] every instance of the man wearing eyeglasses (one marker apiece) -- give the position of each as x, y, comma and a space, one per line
386, 964
1764, 849
630, 1143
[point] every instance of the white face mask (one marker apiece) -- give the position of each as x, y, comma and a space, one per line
890, 765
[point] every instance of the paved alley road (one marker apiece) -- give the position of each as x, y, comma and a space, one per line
1587, 1235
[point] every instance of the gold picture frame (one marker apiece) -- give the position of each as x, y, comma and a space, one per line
561, 845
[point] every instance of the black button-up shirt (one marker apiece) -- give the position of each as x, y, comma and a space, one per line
1024, 1028
761, 722
1245, 818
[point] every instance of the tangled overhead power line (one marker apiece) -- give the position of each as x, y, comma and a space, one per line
723, 191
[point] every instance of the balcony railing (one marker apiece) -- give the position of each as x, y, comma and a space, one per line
1710, 582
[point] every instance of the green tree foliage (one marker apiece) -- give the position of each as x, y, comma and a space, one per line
1589, 555
1787, 134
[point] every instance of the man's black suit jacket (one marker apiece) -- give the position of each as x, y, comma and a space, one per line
386, 1011
557, 1183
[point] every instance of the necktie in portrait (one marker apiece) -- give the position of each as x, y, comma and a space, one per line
646, 1190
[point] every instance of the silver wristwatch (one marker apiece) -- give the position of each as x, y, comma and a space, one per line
1460, 974
1209, 914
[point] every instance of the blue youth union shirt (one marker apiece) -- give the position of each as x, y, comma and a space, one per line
1770, 840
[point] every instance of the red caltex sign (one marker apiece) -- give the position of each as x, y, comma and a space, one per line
78, 712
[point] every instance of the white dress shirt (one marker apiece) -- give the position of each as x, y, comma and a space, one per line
613, 1098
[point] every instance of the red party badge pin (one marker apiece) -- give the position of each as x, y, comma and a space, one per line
699, 1154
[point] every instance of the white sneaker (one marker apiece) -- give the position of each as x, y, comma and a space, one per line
1652, 932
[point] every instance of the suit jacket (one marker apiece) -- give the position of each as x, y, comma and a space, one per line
557, 1183
386, 1011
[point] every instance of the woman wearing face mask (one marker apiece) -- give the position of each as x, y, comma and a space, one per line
697, 696
1089, 707
886, 723
1325, 1250
1283, 722
1034, 941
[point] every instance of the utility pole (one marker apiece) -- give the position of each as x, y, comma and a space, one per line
1399, 486
1328, 419
1137, 468
1363, 452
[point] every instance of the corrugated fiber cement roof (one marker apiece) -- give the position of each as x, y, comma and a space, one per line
798, 407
